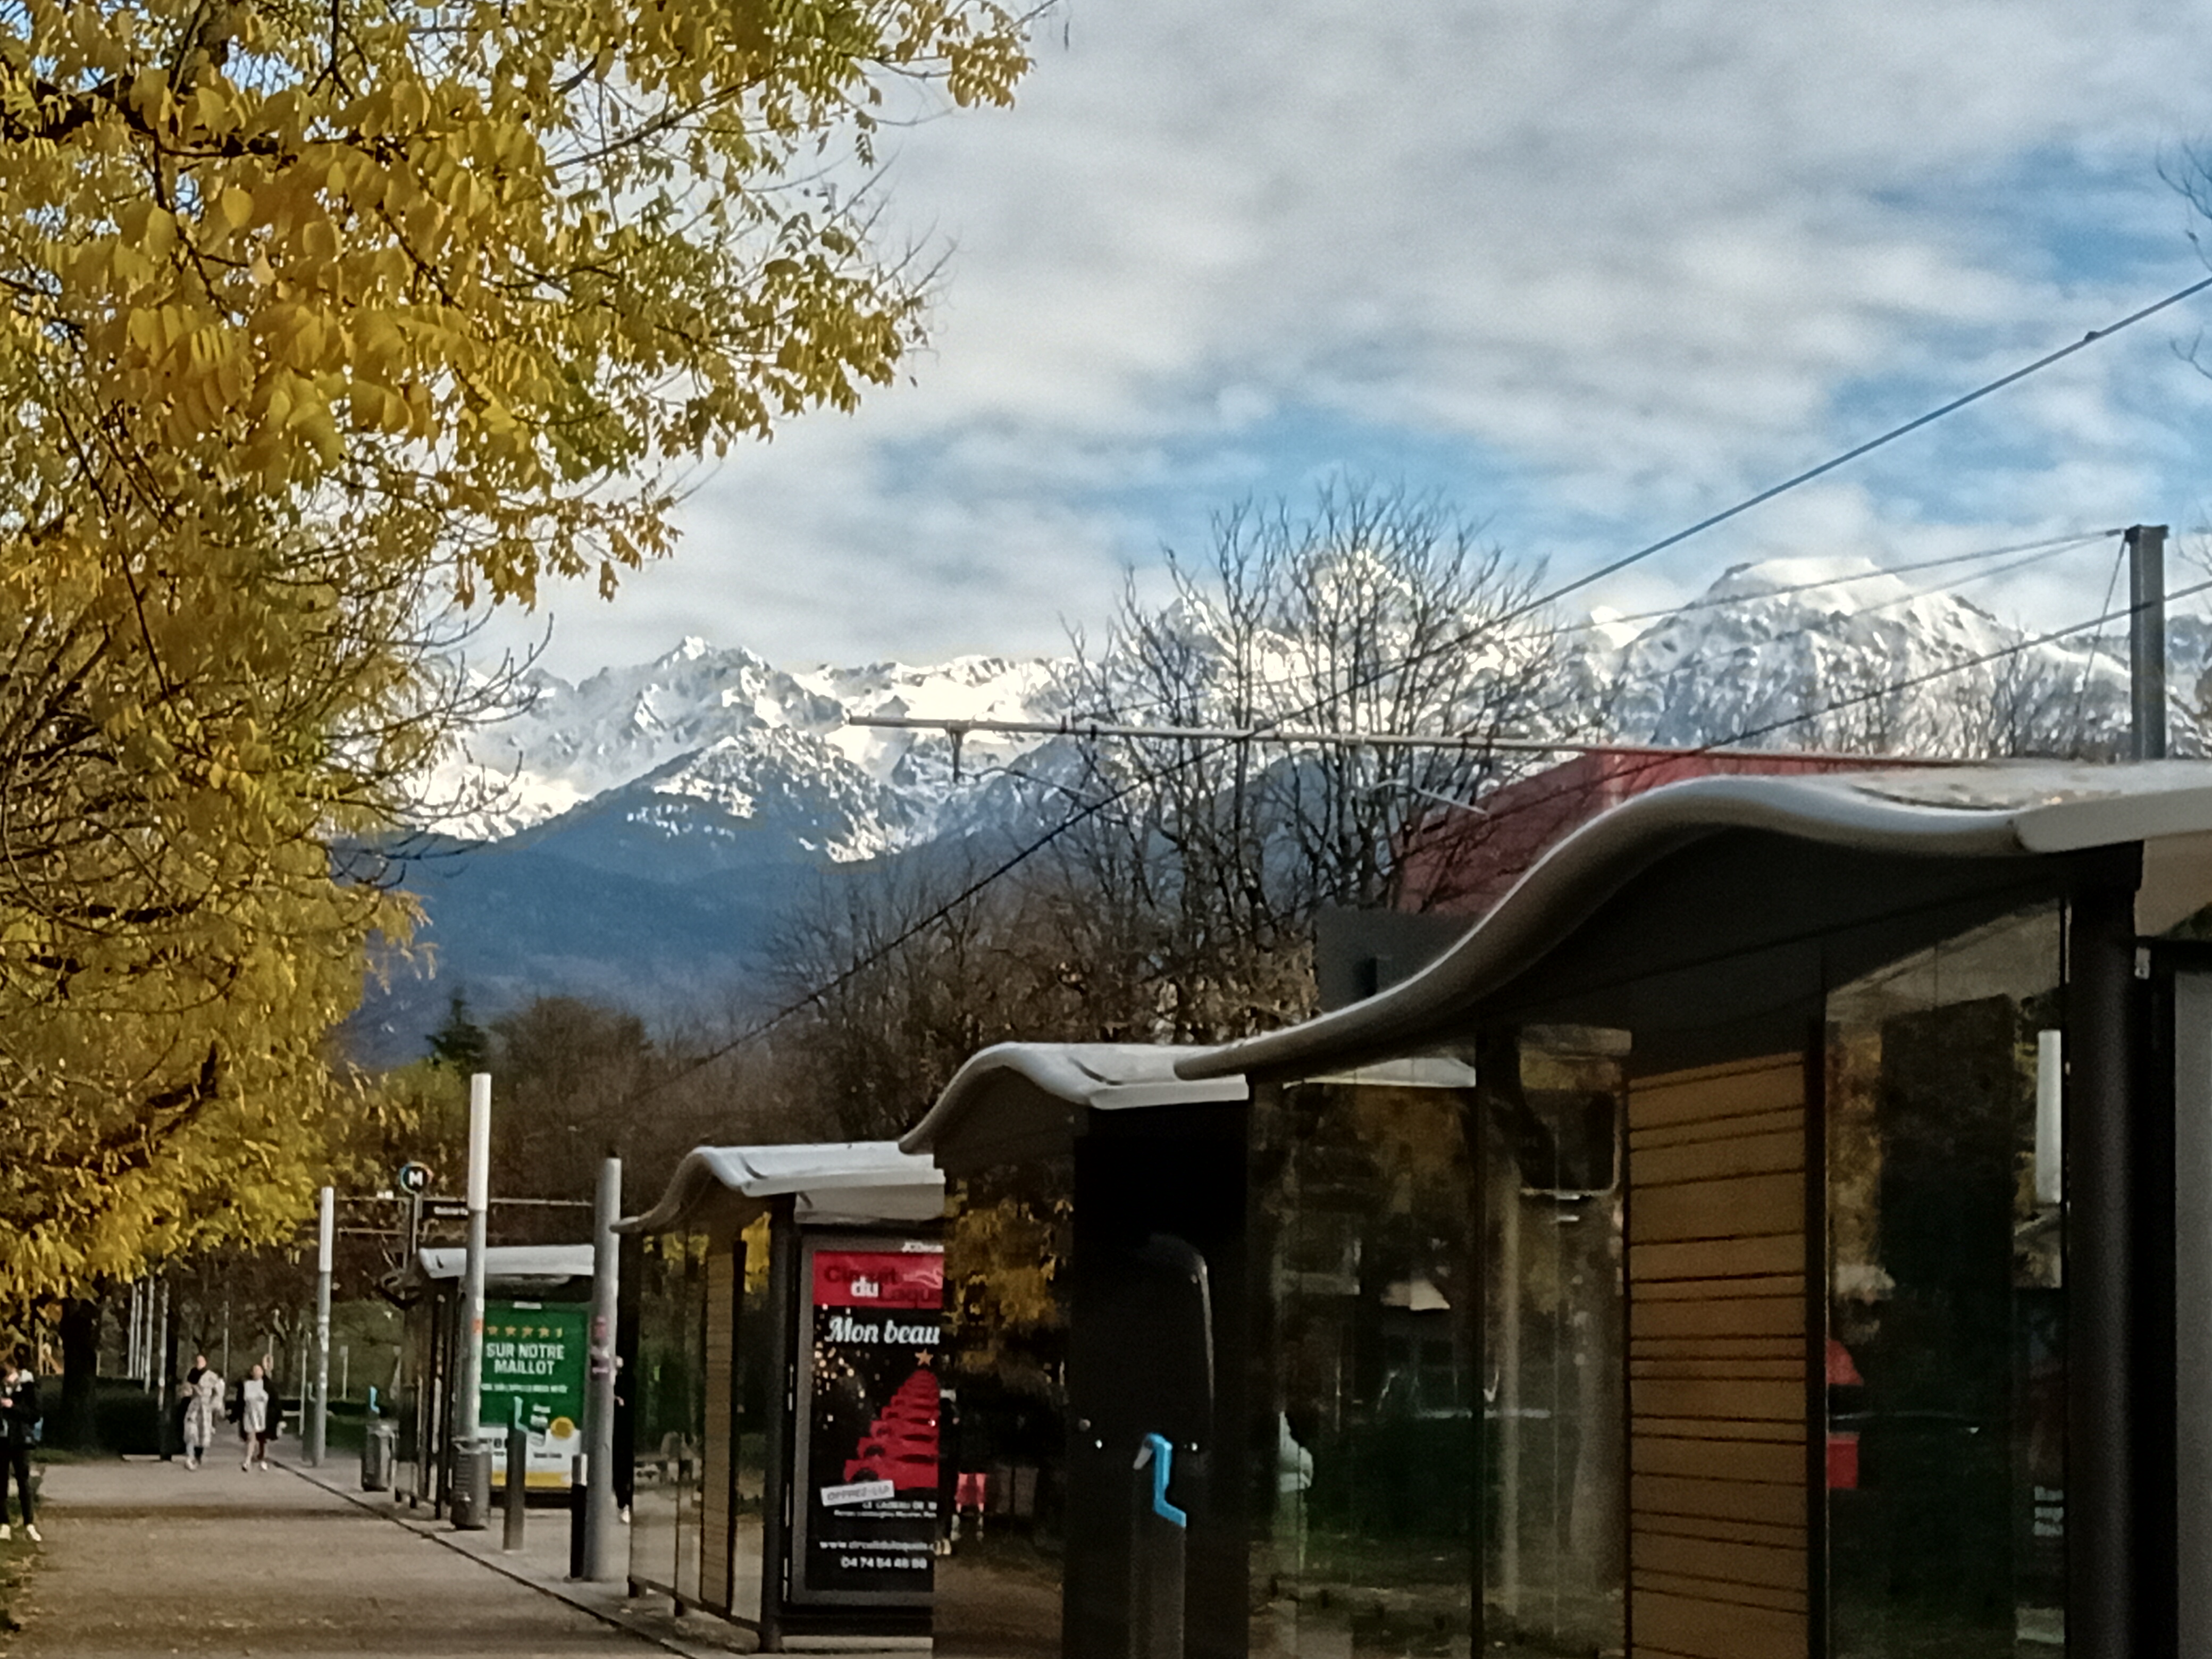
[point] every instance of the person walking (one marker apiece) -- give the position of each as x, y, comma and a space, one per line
19, 1421
256, 1421
203, 1409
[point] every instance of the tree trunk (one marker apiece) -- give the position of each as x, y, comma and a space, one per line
78, 1422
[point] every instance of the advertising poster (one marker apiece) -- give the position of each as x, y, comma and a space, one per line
868, 1422
534, 1354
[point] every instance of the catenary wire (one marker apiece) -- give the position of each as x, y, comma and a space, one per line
1079, 725
1006, 866
2048, 547
1022, 855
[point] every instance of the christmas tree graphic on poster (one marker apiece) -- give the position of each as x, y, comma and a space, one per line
872, 1488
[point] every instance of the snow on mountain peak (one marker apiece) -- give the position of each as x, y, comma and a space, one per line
700, 708
1767, 643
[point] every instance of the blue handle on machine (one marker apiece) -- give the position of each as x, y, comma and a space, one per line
1163, 1464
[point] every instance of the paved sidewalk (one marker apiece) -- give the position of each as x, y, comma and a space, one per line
145, 1558
543, 1564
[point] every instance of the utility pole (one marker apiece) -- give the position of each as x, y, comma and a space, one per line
319, 1404
2147, 639
603, 1558
472, 1463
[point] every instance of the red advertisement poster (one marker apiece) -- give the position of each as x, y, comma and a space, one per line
870, 1420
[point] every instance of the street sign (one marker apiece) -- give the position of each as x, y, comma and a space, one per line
445, 1209
414, 1178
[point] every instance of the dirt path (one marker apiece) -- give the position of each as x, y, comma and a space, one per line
145, 1558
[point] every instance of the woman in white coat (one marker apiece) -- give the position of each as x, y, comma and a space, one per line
253, 1419
203, 1410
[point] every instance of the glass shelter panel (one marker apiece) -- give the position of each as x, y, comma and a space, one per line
749, 1437
671, 1408
1002, 1457
1442, 1271
1946, 1348
1554, 1484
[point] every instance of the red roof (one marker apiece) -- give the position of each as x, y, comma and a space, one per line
1462, 863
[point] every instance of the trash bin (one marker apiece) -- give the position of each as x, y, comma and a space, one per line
379, 1450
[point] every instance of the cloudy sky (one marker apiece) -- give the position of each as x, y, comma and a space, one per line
1590, 271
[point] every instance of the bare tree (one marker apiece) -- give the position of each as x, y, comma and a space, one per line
1370, 611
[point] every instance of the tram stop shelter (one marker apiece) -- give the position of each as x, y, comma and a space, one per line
1781, 1228
537, 1309
782, 1309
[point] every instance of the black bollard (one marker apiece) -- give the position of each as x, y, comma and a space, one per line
580, 1499
518, 1484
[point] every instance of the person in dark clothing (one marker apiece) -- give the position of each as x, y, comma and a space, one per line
19, 1421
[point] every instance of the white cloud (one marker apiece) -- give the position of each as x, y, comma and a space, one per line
1626, 260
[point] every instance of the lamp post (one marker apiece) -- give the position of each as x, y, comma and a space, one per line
471, 1462
318, 1402
603, 1557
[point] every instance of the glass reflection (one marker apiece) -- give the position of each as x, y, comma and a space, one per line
1001, 1425
670, 1402
1946, 1356
1444, 1361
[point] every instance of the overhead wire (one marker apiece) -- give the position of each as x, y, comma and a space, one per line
2089, 661
2048, 547
1029, 850
1729, 746
976, 886
1083, 725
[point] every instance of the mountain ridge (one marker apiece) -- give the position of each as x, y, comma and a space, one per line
647, 834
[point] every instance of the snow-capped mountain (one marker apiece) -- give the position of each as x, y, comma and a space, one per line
650, 834
1836, 654
727, 730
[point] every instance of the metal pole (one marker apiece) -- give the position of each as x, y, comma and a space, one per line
469, 1494
2147, 639
318, 1402
345, 1371
603, 1552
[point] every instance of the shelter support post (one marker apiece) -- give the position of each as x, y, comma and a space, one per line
2192, 1189
782, 1402
2120, 1285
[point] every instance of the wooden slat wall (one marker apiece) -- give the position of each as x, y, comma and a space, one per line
722, 1359
1717, 1356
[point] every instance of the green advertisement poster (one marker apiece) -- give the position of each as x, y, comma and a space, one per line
534, 1354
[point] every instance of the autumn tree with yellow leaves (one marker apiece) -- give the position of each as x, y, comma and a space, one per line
319, 321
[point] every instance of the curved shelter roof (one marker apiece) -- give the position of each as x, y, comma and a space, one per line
1017, 1102
857, 1181
509, 1269
1720, 899
1693, 896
